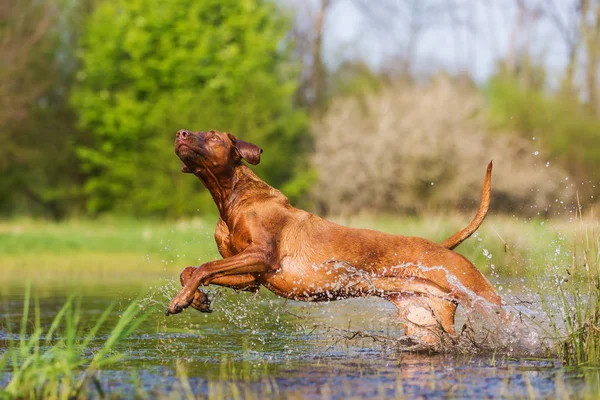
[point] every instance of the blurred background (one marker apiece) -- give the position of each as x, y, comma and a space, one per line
388, 106
378, 114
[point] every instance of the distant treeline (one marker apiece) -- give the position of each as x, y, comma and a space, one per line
92, 92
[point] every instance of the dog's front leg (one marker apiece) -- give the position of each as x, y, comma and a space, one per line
201, 302
245, 282
251, 260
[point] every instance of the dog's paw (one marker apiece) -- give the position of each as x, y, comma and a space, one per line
179, 303
201, 302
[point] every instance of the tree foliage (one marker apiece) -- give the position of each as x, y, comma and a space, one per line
560, 122
412, 149
39, 172
151, 67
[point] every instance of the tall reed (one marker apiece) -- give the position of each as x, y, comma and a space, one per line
52, 363
574, 309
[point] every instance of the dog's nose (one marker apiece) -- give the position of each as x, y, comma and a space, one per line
182, 134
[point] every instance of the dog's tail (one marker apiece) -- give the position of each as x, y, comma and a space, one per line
453, 241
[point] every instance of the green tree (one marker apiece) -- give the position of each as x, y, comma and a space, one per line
559, 121
151, 67
39, 170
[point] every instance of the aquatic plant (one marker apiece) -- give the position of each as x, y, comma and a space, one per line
61, 362
575, 318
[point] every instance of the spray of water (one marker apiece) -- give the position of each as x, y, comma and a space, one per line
524, 326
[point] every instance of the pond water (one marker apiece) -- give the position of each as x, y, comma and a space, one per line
259, 346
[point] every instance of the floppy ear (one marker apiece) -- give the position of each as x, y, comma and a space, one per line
248, 151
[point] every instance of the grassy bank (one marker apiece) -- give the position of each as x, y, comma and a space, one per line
119, 249
106, 248
124, 248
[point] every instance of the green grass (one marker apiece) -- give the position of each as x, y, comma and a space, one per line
124, 248
52, 363
575, 319
105, 248
26, 236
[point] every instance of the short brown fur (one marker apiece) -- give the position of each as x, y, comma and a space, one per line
298, 255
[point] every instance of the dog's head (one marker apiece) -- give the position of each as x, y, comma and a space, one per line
217, 152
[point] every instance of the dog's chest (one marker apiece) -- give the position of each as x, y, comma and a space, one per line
231, 242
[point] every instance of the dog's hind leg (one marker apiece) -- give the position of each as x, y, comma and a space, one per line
423, 316
419, 301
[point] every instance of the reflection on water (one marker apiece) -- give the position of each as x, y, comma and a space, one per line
263, 346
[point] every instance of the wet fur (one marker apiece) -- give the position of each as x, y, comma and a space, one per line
267, 242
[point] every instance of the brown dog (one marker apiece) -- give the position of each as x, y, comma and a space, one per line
298, 255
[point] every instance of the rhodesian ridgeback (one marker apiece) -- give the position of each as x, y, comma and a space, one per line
265, 241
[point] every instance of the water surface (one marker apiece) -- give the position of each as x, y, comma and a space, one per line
257, 346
